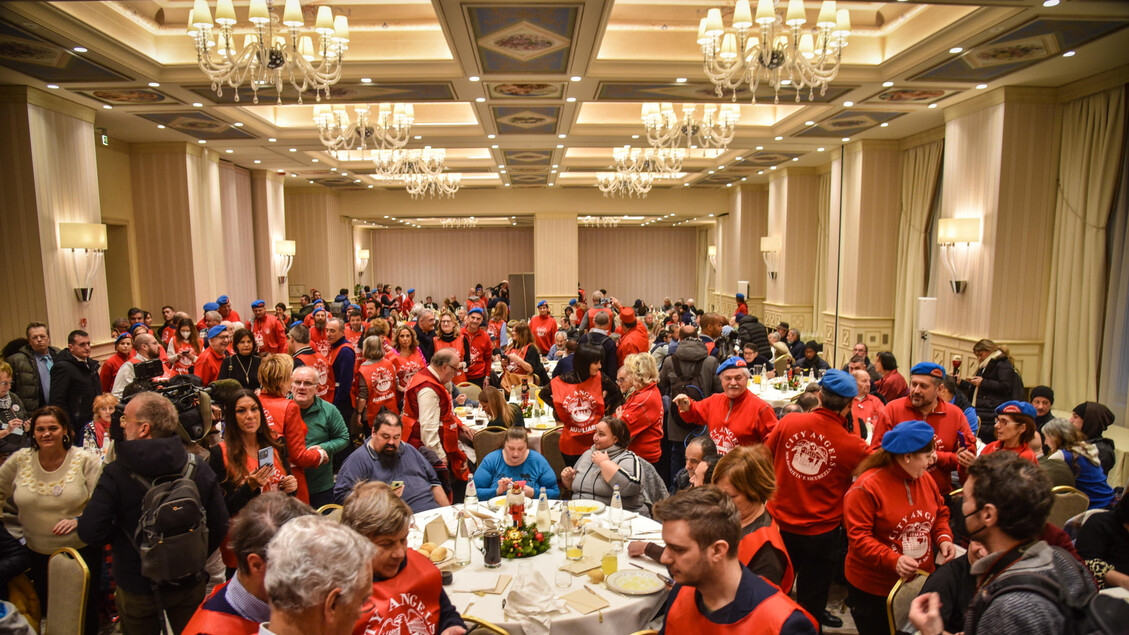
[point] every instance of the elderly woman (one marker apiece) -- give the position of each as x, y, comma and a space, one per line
247, 433
50, 484
373, 511
894, 519
1066, 443
580, 397
515, 462
96, 433
449, 336
643, 409
502, 414
408, 359
605, 465
285, 418
13, 416
376, 383
243, 366
1015, 427
992, 384
1092, 418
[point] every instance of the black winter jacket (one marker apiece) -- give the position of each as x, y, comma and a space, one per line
25, 376
750, 329
74, 385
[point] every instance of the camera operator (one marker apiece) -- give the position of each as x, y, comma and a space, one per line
144, 365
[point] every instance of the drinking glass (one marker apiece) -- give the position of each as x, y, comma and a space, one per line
563, 579
492, 549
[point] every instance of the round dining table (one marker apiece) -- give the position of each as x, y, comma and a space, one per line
774, 393
624, 613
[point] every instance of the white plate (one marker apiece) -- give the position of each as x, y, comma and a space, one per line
498, 502
585, 507
635, 582
543, 426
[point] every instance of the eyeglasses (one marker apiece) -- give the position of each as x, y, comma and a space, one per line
5, 384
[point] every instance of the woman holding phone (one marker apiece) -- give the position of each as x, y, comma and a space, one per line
255, 461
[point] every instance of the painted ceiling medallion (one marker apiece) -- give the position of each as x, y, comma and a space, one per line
523, 41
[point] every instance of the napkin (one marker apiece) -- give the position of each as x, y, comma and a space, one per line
580, 566
594, 546
532, 603
585, 601
499, 585
436, 531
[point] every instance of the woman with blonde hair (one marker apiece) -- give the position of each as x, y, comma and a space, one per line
496, 328
1066, 443
643, 411
994, 382
285, 418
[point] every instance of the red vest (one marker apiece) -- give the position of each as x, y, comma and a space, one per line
766, 618
207, 622
510, 366
407, 367
251, 463
269, 334
318, 341
380, 380
320, 363
448, 422
285, 419
592, 317
494, 330
405, 603
459, 344
353, 336
752, 543
183, 366
481, 350
579, 407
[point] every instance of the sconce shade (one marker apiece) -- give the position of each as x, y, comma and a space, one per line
712, 251
363, 254
285, 247
82, 236
958, 230
770, 243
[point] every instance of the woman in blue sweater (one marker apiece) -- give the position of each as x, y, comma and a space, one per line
1066, 443
516, 462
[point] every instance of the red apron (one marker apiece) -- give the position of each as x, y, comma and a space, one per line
579, 407
405, 603
448, 422
752, 543
380, 380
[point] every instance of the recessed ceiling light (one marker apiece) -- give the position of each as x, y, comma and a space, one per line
53, 86
955, 50
680, 80
575, 78
740, 158
107, 107
779, 138
501, 171
474, 78
685, 185
559, 146
311, 180
272, 139
571, 100
370, 187
848, 104
773, 167
506, 184
332, 169
160, 126
552, 184
201, 141
491, 136
744, 178
553, 172
760, 147
932, 105
1050, 3
229, 151
238, 124
885, 124
1068, 54
561, 136
197, 104
785, 82
257, 161
79, 49
480, 99
366, 80
795, 158
293, 174
293, 149
711, 171
418, 137
981, 86
495, 146
760, 172
555, 165
501, 166
344, 174
634, 136
315, 160
846, 139
887, 84
809, 123
154, 85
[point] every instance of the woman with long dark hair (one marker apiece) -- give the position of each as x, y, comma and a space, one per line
184, 347
580, 398
246, 432
243, 366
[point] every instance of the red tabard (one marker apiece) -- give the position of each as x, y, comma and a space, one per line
182, 365
544, 332
512, 367
320, 363
460, 346
752, 543
380, 380
407, 367
269, 334
592, 318
354, 337
405, 603
767, 618
448, 422
494, 330
579, 407
475, 304
208, 366
319, 341
948, 423
285, 419
643, 414
481, 350
251, 464
206, 622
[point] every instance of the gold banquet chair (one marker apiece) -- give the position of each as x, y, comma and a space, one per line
551, 450
1068, 503
479, 626
331, 511
897, 603
488, 440
68, 581
470, 390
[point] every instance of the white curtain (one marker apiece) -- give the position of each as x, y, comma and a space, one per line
1092, 137
1113, 380
825, 268
921, 171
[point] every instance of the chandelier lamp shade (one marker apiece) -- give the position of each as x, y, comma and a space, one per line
398, 162
390, 128
667, 129
275, 52
658, 160
626, 184
773, 49
441, 186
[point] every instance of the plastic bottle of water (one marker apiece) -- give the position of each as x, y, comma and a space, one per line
462, 540
544, 520
615, 511
470, 501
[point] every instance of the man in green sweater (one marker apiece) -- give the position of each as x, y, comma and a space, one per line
324, 427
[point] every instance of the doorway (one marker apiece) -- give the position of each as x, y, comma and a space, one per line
119, 270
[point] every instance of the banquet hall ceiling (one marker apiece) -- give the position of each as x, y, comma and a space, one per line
551, 117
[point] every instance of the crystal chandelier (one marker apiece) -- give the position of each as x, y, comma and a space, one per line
391, 128
783, 54
399, 162
658, 160
458, 223
599, 221
272, 55
715, 129
625, 184
432, 185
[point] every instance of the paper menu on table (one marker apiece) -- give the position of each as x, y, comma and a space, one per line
595, 547
436, 531
584, 601
580, 566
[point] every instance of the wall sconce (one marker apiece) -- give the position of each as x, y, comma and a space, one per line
362, 261
955, 236
285, 250
87, 243
711, 251
770, 251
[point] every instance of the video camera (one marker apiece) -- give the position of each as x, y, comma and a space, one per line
192, 401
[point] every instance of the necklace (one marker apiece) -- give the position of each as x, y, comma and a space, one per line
246, 370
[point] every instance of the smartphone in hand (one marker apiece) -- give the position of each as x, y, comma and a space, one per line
266, 457
396, 484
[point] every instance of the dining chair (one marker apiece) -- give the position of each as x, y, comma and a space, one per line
899, 599
551, 450
470, 390
479, 626
1068, 503
331, 511
68, 581
1074, 525
488, 440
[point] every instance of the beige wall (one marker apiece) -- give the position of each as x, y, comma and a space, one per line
165, 263
647, 263
310, 213
556, 257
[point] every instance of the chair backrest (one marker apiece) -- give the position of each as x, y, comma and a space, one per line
1074, 525
470, 390
899, 599
68, 581
488, 440
1068, 503
479, 626
331, 511
551, 450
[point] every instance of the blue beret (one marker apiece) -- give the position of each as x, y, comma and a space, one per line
216, 330
572, 302
319, 301
211, 306
411, 290
121, 337
317, 309
907, 436
841, 383
740, 297
732, 362
928, 368
1016, 408
477, 310
354, 306
257, 303
133, 328
223, 299
726, 330
542, 303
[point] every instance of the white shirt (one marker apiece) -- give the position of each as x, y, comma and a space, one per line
429, 423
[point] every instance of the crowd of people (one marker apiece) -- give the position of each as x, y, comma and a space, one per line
868, 477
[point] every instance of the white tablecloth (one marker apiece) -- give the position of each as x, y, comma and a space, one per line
773, 396
626, 614
537, 427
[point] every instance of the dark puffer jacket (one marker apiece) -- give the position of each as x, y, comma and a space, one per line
25, 376
74, 385
750, 329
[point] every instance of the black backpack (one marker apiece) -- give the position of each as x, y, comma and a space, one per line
172, 532
685, 384
1091, 613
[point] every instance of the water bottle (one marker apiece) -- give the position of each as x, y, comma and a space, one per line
470, 501
563, 529
88, 444
615, 511
462, 540
544, 520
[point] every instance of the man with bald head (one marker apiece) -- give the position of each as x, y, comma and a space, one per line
145, 348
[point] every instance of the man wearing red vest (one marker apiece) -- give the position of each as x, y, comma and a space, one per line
430, 420
319, 339
713, 592
407, 589
238, 606
207, 366
269, 333
589, 320
481, 349
355, 329
735, 416
814, 458
304, 355
544, 328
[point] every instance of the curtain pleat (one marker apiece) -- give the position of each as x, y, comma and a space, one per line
1113, 379
819, 302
